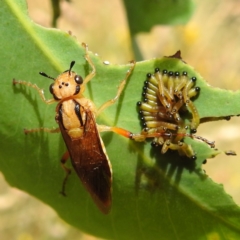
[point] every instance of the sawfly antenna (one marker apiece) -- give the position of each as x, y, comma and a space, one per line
71, 66
45, 75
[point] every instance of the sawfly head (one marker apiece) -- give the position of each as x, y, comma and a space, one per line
66, 84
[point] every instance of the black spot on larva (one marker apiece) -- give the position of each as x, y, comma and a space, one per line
149, 75
157, 70
177, 74
145, 129
194, 79
193, 130
194, 157
170, 73
197, 89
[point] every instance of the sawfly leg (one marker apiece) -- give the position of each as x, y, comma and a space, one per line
67, 170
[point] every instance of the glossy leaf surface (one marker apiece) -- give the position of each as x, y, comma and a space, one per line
153, 195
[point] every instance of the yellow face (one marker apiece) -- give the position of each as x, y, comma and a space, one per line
66, 85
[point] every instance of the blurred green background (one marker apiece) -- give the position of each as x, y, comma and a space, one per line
209, 42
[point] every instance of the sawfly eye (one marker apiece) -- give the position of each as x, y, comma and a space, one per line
77, 90
51, 89
78, 79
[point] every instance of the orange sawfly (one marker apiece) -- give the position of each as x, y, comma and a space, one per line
75, 116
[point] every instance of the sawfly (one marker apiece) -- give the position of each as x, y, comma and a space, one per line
76, 117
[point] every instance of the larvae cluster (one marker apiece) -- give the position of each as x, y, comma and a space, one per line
166, 98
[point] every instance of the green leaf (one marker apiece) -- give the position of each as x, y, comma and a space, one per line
154, 195
144, 14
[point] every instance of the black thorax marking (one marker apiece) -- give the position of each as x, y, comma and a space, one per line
78, 112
